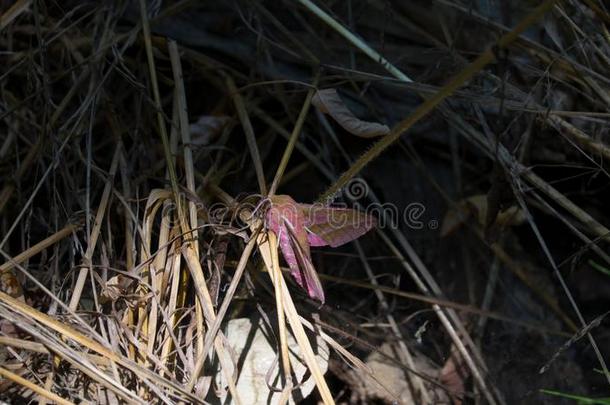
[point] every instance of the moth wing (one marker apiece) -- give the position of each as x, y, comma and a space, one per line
304, 273
314, 240
335, 226
288, 253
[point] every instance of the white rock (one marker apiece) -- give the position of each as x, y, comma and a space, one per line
258, 363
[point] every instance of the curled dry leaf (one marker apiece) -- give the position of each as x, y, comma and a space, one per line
329, 102
119, 284
300, 226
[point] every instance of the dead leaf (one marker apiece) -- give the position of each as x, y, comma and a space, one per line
387, 381
329, 102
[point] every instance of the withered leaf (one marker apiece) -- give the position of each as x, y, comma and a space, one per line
329, 102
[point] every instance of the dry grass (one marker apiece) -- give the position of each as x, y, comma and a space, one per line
135, 133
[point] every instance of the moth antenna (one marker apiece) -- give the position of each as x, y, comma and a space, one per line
263, 200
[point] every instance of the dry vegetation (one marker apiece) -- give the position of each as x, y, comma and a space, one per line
134, 132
